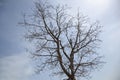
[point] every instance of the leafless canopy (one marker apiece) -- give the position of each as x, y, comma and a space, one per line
62, 41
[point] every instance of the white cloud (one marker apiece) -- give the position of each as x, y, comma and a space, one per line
15, 67
110, 49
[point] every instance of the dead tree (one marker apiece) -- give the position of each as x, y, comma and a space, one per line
62, 41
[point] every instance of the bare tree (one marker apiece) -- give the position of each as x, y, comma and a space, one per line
62, 41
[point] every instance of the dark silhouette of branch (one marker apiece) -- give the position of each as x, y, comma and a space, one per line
64, 41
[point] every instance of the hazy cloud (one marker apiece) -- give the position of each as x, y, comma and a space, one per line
15, 67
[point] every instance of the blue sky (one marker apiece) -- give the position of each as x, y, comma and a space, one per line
15, 63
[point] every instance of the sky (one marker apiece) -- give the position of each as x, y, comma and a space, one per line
15, 62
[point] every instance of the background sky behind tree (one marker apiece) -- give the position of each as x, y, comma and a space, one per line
15, 63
